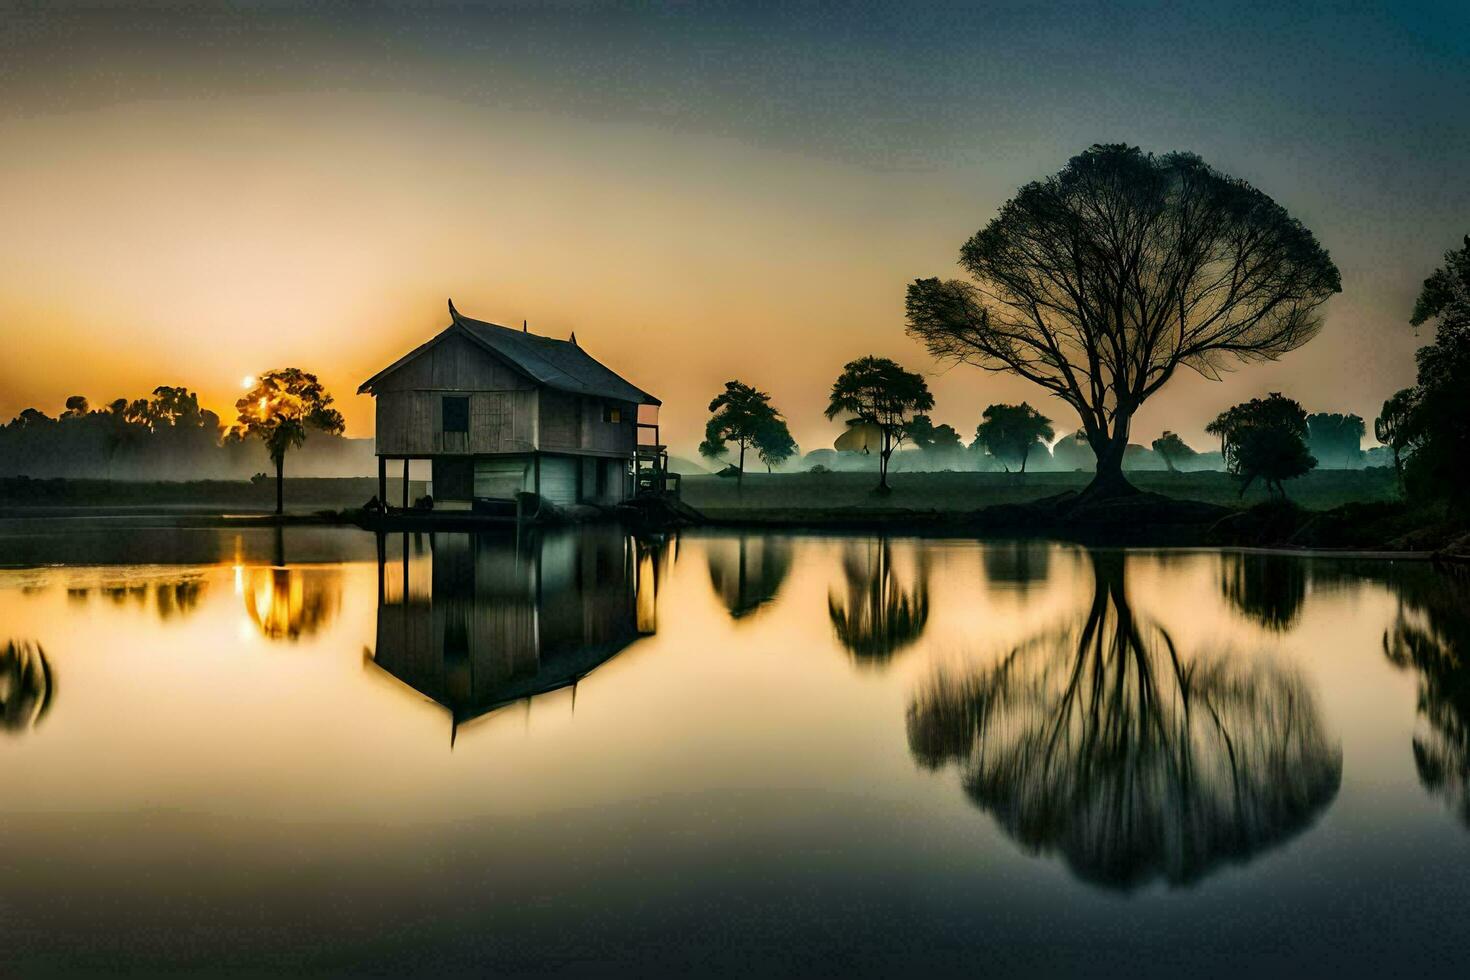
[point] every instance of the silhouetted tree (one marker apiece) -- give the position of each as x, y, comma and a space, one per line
1131, 758
1100, 282
76, 407
1334, 436
931, 438
1010, 432
282, 407
878, 392
1440, 465
773, 442
1265, 439
1394, 427
740, 414
1170, 448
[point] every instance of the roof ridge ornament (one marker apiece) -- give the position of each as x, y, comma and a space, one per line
573, 338
453, 313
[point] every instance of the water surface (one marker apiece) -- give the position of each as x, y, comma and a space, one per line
583, 752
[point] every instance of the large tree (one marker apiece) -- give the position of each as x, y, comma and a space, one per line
878, 392
1106, 741
744, 415
1010, 432
1440, 464
1100, 282
280, 409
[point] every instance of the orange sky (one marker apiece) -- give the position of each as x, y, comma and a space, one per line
175, 237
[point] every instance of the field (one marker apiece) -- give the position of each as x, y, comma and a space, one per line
818, 495
303, 495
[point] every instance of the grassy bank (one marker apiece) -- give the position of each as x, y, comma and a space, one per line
818, 496
303, 495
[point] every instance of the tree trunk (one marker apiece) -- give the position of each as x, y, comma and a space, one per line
883, 454
1109, 481
280, 484
1025, 455
740, 473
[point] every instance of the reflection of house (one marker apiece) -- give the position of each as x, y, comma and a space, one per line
499, 411
505, 620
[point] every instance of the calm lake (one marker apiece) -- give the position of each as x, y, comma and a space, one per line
312, 751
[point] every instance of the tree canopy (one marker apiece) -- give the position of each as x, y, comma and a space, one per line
1439, 466
280, 409
774, 444
1100, 282
744, 415
1265, 439
928, 437
1394, 427
1010, 432
878, 392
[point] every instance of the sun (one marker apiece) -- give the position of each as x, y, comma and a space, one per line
247, 381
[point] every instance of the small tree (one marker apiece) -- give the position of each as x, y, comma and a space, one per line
1170, 448
928, 437
1266, 439
878, 392
1010, 432
76, 407
740, 414
282, 407
1394, 427
773, 442
1332, 435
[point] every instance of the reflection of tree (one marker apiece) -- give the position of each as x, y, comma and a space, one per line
878, 617
1431, 634
748, 571
1269, 589
1103, 743
1016, 565
178, 596
26, 686
289, 603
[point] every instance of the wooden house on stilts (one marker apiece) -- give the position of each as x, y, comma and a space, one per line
498, 411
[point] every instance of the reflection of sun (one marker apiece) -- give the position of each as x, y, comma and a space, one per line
288, 603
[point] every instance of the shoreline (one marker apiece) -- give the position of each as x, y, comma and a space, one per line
980, 525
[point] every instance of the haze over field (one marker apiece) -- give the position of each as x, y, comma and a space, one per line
193, 196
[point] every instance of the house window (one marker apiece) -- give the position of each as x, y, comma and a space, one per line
611, 413
456, 414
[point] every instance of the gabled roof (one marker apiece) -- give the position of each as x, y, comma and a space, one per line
559, 364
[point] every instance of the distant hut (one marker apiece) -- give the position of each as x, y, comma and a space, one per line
499, 411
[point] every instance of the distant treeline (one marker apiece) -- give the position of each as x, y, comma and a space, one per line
165, 437
1335, 441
